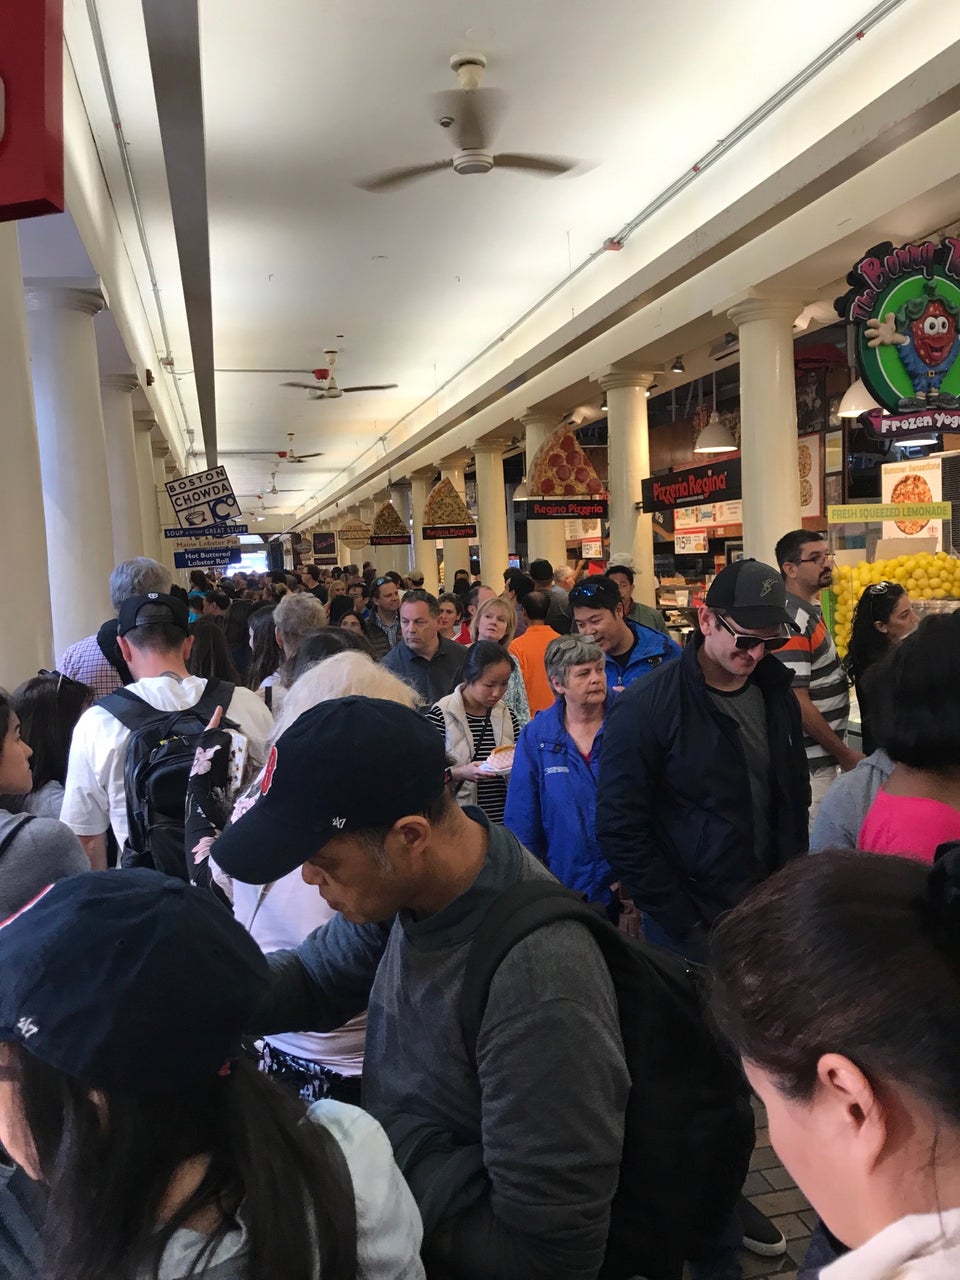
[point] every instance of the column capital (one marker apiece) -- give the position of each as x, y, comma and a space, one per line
456, 461
756, 304
424, 473
143, 420
85, 296
548, 418
120, 382
159, 447
403, 483
612, 377
493, 445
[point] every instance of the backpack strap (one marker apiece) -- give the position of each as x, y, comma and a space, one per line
135, 713
14, 831
518, 912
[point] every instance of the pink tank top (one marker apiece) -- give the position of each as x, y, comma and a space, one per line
908, 825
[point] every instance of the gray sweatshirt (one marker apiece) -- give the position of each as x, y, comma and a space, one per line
513, 1164
844, 807
41, 850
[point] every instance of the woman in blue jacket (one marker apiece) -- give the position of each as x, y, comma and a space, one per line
552, 799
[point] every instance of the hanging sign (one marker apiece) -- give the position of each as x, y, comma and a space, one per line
355, 534
203, 499
562, 509
864, 512
905, 305
389, 529
31, 108
692, 486
207, 557
207, 531
434, 532
325, 548
901, 426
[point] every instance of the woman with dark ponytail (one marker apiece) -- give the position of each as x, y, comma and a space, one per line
838, 982
166, 1154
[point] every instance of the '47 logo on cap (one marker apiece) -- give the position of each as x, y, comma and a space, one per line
339, 823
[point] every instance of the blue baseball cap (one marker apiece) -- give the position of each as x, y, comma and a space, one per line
129, 981
342, 766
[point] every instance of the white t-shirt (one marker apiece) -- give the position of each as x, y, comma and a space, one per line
290, 912
94, 796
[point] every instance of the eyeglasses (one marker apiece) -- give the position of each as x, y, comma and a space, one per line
821, 557
747, 642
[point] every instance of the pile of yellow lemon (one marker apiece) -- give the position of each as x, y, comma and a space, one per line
923, 577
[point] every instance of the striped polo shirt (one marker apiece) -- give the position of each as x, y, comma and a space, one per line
812, 657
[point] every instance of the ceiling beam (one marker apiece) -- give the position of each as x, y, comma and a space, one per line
173, 40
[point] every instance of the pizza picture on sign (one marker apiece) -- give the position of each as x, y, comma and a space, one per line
445, 506
355, 533
911, 488
387, 522
561, 469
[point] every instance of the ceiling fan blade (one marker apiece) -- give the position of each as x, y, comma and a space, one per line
476, 115
397, 177
301, 457
305, 386
550, 166
380, 386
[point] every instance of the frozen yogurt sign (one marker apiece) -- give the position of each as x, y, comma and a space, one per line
905, 304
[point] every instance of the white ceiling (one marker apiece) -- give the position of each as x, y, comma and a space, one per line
301, 100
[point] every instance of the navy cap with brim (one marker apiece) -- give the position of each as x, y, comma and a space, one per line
760, 616
344, 765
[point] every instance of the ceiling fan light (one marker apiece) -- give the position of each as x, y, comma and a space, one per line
677, 366
715, 437
856, 400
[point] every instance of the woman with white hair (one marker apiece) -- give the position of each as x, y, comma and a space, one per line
295, 617
281, 914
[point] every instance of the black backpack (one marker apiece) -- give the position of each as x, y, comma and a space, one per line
689, 1123
156, 769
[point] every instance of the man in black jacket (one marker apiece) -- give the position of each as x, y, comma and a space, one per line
703, 788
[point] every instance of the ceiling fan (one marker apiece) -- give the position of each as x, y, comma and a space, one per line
472, 113
285, 455
325, 386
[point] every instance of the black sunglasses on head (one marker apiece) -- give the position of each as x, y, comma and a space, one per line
746, 642
587, 591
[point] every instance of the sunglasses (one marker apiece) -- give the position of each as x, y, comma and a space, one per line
44, 671
591, 590
877, 591
747, 642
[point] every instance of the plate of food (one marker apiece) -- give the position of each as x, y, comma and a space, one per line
500, 760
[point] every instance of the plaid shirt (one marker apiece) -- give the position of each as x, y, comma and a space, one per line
84, 661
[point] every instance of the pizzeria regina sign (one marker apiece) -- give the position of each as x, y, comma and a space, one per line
905, 305
693, 486
432, 532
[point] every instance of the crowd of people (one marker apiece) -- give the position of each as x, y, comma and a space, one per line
252, 830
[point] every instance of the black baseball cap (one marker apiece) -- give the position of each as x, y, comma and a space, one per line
751, 593
129, 980
176, 613
541, 570
342, 766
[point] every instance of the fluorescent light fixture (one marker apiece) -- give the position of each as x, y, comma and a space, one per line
856, 400
715, 438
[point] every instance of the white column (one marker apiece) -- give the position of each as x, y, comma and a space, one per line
368, 509
26, 637
116, 398
628, 462
168, 519
424, 551
456, 551
402, 499
143, 425
492, 511
768, 422
73, 456
546, 539
161, 507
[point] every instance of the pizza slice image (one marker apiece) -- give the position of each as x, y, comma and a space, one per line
388, 523
445, 506
561, 469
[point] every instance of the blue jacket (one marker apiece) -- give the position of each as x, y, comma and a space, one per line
552, 804
651, 650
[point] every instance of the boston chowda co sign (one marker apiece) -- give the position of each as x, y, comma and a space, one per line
905, 305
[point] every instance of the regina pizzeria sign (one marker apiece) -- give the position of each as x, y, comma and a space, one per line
905, 305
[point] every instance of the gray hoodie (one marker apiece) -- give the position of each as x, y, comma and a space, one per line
846, 804
40, 851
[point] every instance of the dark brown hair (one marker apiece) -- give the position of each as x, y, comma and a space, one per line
844, 952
